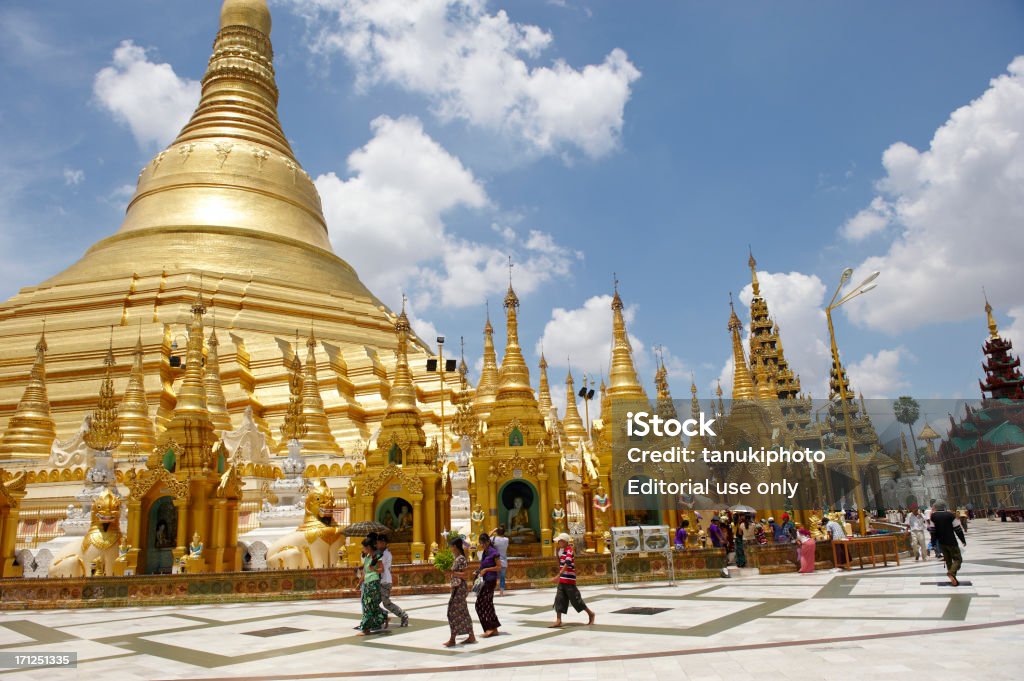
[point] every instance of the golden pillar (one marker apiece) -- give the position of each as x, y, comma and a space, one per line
417, 530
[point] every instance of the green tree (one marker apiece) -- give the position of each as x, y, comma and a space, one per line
907, 412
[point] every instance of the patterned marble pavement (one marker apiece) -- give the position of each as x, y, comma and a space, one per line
870, 624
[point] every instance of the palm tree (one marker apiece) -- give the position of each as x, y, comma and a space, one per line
907, 412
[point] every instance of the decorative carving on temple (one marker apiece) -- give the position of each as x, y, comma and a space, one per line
412, 483
73, 451
144, 481
246, 443
505, 467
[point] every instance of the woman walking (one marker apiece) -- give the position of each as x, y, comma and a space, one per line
490, 566
458, 611
741, 533
374, 619
806, 550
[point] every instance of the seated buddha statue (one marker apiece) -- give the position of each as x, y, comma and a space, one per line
519, 523
193, 560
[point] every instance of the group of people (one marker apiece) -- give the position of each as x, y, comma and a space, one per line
735, 531
944, 528
491, 574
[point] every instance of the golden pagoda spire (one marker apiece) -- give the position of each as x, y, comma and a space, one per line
319, 437
753, 272
31, 431
215, 400
403, 392
513, 376
624, 382
993, 328
661, 376
487, 388
190, 426
133, 414
721, 404
697, 442
104, 435
742, 383
544, 391
573, 424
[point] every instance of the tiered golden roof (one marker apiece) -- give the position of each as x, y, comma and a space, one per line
402, 427
133, 414
31, 431
766, 348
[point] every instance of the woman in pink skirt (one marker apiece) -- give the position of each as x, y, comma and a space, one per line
806, 550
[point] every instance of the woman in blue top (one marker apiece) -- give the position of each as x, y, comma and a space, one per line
374, 619
490, 566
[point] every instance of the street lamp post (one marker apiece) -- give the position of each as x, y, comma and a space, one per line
441, 365
861, 288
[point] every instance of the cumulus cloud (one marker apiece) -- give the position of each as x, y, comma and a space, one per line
958, 207
878, 375
150, 98
388, 220
474, 66
871, 220
1015, 331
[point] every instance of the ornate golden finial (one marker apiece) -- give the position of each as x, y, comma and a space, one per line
753, 271
993, 328
463, 367
104, 434
511, 299
319, 438
622, 373
743, 384
133, 414
544, 390
403, 393
661, 375
513, 376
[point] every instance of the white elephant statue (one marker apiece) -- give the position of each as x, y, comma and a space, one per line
99, 546
314, 543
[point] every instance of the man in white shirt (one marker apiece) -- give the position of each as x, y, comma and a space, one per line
500, 542
386, 582
836, 533
915, 524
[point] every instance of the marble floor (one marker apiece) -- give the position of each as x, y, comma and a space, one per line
863, 624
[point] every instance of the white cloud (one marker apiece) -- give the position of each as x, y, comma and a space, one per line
388, 221
878, 375
73, 177
1015, 331
871, 220
150, 98
960, 208
474, 66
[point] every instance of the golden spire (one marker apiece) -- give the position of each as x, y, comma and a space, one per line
661, 376
487, 388
624, 382
190, 426
403, 393
764, 388
31, 431
697, 442
544, 392
215, 400
753, 273
993, 328
573, 424
319, 437
133, 414
513, 376
104, 435
294, 426
718, 393
742, 384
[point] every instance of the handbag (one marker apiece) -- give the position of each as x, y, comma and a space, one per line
478, 584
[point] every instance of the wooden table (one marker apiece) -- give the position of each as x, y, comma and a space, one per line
875, 548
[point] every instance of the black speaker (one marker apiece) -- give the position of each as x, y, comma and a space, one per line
432, 364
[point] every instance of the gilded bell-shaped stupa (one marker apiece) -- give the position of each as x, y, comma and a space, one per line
227, 209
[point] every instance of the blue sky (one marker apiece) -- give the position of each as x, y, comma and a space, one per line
651, 139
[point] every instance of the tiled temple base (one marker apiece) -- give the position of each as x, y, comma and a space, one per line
106, 592
883, 623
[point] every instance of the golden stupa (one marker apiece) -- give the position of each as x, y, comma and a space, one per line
226, 211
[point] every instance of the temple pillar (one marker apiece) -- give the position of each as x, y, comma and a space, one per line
181, 506
491, 508
214, 563
417, 546
134, 535
429, 501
